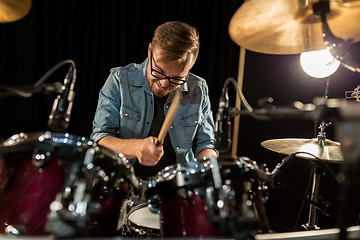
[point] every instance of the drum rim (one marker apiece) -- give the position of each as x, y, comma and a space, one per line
47, 141
170, 172
33, 137
136, 226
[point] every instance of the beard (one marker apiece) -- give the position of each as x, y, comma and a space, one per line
153, 83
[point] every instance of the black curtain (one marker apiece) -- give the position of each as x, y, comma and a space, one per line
99, 35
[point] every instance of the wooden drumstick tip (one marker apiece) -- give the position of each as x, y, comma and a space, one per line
169, 118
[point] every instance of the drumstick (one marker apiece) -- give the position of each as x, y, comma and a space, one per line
169, 117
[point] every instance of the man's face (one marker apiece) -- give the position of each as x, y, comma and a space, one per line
164, 77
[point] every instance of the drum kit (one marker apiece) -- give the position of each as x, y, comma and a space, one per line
55, 182
67, 186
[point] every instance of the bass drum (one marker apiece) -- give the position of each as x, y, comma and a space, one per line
180, 191
61, 184
198, 199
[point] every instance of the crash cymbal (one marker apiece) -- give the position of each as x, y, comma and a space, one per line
290, 26
330, 152
13, 10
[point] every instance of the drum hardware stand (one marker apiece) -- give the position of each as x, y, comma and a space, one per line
317, 172
313, 212
349, 179
353, 94
68, 212
221, 209
259, 208
336, 46
349, 132
221, 201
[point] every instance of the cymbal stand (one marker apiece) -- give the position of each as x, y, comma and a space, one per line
317, 172
313, 212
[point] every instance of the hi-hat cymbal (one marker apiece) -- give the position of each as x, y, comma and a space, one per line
290, 26
13, 10
330, 152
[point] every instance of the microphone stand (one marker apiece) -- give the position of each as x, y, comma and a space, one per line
291, 192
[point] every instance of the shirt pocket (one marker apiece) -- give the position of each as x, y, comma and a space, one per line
129, 122
189, 124
129, 113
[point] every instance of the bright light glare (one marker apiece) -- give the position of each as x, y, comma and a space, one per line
319, 64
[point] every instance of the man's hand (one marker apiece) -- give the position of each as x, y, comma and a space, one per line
145, 150
149, 153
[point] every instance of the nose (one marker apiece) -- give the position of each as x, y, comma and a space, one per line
165, 83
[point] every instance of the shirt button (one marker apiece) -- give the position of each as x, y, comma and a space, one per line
171, 127
177, 148
195, 122
147, 123
126, 114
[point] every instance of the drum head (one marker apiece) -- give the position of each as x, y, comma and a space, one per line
142, 216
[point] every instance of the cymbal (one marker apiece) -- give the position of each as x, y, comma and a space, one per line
290, 26
331, 152
13, 10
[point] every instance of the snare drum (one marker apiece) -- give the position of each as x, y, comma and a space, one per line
83, 184
141, 222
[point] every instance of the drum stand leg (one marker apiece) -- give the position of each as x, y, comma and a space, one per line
313, 212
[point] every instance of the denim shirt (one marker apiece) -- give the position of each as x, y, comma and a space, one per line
126, 106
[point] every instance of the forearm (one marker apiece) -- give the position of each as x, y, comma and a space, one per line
145, 150
206, 153
128, 147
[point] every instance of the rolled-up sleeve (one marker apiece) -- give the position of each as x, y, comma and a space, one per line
107, 120
205, 135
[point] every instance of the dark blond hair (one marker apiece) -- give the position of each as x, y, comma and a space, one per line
177, 39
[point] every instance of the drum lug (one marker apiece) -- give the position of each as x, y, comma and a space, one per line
182, 192
154, 204
40, 159
15, 230
222, 199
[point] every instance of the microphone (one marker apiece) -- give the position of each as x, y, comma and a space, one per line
277, 172
29, 90
60, 114
46, 88
223, 125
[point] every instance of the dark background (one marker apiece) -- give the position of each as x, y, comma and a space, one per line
99, 35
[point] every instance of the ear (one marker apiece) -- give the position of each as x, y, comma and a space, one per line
149, 50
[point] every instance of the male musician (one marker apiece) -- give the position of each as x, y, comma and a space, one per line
135, 99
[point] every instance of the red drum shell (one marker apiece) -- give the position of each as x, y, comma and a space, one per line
186, 217
26, 190
26, 193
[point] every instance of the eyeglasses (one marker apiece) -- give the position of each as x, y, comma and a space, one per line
159, 75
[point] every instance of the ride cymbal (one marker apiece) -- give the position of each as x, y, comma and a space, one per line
331, 152
13, 10
290, 26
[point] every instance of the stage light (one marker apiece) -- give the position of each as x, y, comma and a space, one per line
319, 64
